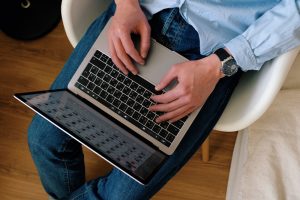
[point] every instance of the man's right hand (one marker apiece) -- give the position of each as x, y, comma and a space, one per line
129, 18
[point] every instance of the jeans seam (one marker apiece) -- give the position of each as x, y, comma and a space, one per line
169, 21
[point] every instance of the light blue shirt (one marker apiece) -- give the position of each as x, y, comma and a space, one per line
254, 31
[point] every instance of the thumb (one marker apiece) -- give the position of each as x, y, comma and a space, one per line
167, 79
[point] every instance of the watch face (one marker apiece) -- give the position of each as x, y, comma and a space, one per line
230, 67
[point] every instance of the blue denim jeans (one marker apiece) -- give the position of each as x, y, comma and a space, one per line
59, 158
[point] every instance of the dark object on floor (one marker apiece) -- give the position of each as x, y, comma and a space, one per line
29, 19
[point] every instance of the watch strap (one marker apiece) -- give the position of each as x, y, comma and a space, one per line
222, 54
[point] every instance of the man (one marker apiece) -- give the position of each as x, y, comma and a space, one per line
234, 36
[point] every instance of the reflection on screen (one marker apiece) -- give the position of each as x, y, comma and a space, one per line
96, 131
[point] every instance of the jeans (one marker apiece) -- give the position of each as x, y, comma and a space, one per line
59, 158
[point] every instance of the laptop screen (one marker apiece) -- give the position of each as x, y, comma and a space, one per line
96, 130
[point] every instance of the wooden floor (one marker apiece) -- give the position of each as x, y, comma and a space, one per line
29, 66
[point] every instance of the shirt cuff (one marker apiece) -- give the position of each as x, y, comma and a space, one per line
243, 53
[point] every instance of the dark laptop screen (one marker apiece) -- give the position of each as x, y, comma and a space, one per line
99, 132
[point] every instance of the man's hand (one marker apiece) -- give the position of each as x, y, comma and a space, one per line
196, 81
129, 18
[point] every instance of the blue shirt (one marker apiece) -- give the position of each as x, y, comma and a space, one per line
254, 31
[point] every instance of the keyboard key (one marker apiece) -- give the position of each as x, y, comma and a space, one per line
103, 94
97, 90
114, 73
126, 90
121, 77
107, 69
104, 85
137, 106
130, 102
150, 115
146, 103
111, 89
83, 81
149, 124
92, 77
140, 90
98, 81
133, 94
136, 115
91, 86
123, 107
139, 99
113, 82
97, 54
127, 82
117, 94
134, 86
178, 124
170, 137
164, 125
100, 74
109, 62
173, 129
129, 111
97, 63
104, 58
163, 133
147, 94
144, 111
120, 86
117, 103
107, 78
110, 98
124, 98
156, 129
143, 120
94, 70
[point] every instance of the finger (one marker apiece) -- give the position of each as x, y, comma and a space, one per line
168, 107
131, 50
182, 115
115, 58
167, 97
145, 40
172, 114
166, 80
122, 55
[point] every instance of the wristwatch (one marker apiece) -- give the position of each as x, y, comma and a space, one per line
229, 66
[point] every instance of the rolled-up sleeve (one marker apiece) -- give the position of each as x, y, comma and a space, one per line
274, 33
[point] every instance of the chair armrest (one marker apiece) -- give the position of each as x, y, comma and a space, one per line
255, 93
77, 15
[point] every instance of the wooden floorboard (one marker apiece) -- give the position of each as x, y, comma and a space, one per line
33, 65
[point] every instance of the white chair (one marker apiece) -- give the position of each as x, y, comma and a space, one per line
251, 98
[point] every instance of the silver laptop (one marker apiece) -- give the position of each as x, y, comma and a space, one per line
107, 111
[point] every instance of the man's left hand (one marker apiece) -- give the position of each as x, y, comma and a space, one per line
196, 80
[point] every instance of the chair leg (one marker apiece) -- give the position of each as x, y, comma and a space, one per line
205, 150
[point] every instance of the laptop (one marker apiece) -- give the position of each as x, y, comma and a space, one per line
107, 111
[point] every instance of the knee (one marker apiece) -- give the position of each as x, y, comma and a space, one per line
43, 135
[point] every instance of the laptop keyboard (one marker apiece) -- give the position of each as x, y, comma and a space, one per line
128, 96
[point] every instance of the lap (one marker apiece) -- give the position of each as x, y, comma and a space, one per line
117, 183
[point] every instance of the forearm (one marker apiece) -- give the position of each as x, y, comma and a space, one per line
273, 34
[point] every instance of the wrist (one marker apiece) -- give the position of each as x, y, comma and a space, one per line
216, 63
118, 2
